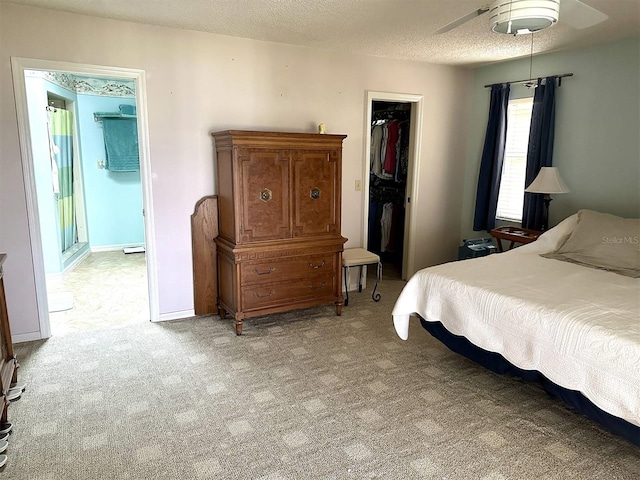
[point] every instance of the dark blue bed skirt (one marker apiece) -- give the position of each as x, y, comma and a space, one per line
498, 364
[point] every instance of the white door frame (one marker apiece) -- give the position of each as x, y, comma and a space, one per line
18, 66
411, 196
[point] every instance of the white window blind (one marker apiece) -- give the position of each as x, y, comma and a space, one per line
511, 196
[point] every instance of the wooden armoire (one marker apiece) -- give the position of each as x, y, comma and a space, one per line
279, 246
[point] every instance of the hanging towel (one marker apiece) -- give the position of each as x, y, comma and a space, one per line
53, 151
127, 109
121, 144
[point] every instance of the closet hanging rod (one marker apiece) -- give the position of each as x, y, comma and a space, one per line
391, 112
559, 77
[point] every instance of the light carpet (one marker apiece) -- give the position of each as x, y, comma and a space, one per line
301, 395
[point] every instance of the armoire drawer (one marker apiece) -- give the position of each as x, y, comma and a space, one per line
286, 268
271, 294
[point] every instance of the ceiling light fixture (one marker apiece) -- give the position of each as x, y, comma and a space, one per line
517, 17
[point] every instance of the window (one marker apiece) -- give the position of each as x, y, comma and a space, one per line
511, 196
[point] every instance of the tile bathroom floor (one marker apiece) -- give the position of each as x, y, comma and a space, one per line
109, 290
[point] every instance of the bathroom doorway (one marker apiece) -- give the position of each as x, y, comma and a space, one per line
87, 281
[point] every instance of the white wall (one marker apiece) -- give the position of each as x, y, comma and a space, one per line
597, 133
198, 83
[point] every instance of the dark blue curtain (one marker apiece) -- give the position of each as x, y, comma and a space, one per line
540, 153
492, 158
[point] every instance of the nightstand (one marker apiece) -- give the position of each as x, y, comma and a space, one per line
514, 235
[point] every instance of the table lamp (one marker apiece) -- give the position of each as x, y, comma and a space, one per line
547, 181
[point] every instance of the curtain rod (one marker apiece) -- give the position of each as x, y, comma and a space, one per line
98, 116
559, 77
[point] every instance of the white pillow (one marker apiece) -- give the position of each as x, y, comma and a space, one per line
555, 237
604, 241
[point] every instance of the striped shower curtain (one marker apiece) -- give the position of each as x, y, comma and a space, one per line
61, 136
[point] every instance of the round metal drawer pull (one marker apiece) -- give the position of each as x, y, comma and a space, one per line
311, 265
323, 284
264, 273
266, 195
314, 193
257, 295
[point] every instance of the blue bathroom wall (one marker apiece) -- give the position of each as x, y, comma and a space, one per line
37, 88
113, 199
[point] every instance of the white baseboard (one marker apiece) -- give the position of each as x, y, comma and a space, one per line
176, 315
26, 337
114, 248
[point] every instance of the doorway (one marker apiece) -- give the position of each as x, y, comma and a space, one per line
81, 252
391, 163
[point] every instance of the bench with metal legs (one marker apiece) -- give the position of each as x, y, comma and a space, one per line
359, 257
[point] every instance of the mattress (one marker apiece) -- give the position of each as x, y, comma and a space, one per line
578, 326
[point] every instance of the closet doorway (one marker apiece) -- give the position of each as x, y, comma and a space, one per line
391, 161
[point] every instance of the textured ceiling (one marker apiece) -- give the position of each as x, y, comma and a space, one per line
389, 28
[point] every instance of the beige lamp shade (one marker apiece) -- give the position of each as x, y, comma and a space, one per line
548, 181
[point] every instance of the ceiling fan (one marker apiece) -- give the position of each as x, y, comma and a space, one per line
528, 16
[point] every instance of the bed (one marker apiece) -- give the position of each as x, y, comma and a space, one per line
545, 313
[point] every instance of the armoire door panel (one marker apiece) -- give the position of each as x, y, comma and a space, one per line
316, 201
265, 195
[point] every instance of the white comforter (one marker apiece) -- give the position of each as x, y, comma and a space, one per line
578, 326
